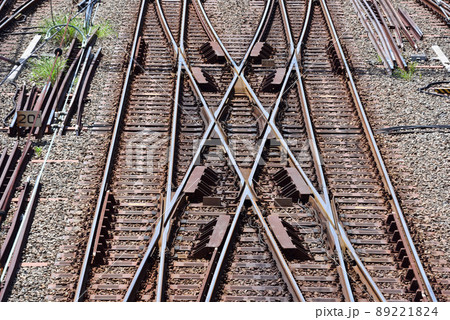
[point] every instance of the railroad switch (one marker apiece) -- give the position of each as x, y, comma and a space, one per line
336, 64
139, 56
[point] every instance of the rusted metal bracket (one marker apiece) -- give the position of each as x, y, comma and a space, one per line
204, 79
288, 238
210, 237
292, 184
273, 81
200, 183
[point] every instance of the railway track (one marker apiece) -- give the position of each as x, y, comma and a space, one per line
132, 205
349, 168
249, 174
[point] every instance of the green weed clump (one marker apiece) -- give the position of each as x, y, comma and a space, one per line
104, 29
70, 33
406, 74
37, 151
42, 69
379, 60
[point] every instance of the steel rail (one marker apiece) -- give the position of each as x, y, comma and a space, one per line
287, 27
319, 171
341, 269
267, 116
15, 249
317, 162
386, 28
20, 240
166, 231
390, 14
183, 24
268, 130
166, 218
175, 110
266, 23
304, 103
133, 287
398, 27
168, 212
196, 89
211, 124
325, 208
335, 230
14, 226
27, 216
382, 32
273, 126
170, 207
85, 87
222, 137
166, 228
378, 46
378, 37
439, 7
249, 192
226, 246
420, 274
394, 14
311, 136
315, 151
24, 7
166, 28
81, 286
294, 287
277, 254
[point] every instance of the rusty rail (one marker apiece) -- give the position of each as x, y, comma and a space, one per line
20, 11
16, 248
412, 254
14, 179
15, 223
379, 18
81, 286
440, 7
